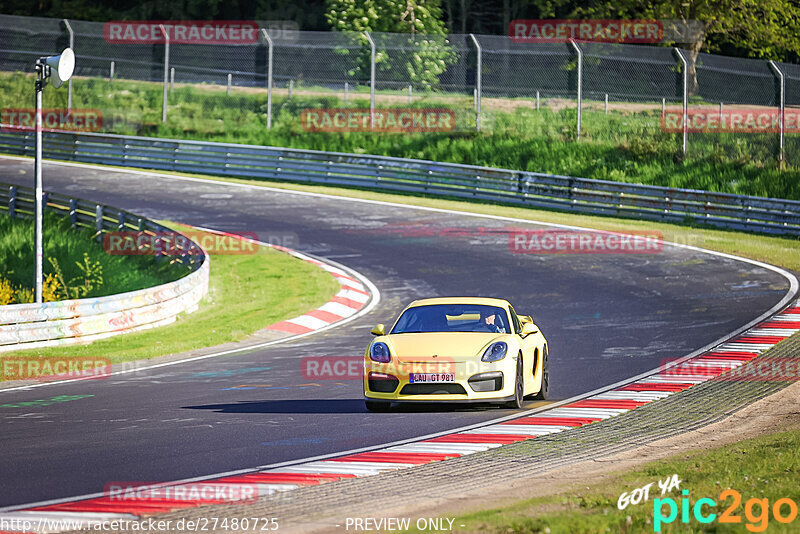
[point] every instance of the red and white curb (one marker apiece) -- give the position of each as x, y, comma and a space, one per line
351, 298
572, 414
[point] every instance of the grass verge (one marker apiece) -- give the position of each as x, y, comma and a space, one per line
626, 145
70, 249
246, 293
766, 467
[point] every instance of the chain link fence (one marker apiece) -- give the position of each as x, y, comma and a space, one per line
271, 81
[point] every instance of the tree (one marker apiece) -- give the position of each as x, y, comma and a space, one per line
420, 58
761, 28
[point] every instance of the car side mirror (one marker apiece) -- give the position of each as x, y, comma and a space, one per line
528, 329
379, 330
525, 319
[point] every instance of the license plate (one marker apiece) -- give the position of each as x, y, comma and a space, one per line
419, 378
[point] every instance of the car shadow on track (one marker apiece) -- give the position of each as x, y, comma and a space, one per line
322, 406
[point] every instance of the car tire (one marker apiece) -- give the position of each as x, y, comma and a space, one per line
377, 406
519, 387
544, 390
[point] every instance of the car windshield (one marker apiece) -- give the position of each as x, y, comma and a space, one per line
453, 318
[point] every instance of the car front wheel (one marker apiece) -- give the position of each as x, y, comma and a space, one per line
519, 387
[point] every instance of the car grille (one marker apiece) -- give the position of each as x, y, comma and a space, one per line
433, 389
383, 385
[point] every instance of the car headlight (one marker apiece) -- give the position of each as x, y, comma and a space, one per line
379, 352
495, 352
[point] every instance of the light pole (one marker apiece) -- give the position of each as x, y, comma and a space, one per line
60, 69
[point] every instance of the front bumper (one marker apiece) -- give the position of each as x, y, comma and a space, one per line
497, 384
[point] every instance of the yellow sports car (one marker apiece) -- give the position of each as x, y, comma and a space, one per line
457, 349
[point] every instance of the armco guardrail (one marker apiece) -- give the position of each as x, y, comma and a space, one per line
83, 320
419, 176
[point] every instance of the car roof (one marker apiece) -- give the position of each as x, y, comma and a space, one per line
460, 300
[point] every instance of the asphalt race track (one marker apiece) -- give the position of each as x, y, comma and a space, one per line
606, 316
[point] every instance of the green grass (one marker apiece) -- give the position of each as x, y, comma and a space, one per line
766, 467
624, 145
68, 246
246, 293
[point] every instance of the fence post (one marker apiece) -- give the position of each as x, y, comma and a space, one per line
269, 77
410, 97
346, 87
580, 81
166, 73
371, 80
606, 104
111, 75
478, 80
12, 201
171, 79
291, 88
685, 66
781, 108
72, 46
537, 100
230, 76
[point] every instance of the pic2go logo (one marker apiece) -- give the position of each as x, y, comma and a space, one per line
756, 511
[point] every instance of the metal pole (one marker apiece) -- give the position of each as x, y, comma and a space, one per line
606, 105
371, 81
720, 113
478, 79
410, 98
269, 77
345, 92
685, 98
580, 81
782, 108
537, 100
663, 106
72, 47
166, 73
230, 76
40, 81
171, 79
111, 75
291, 87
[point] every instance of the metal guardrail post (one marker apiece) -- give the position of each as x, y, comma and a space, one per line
111, 74
73, 212
580, 81
782, 108
685, 66
98, 222
69, 83
478, 77
371, 80
268, 39
166, 73
12, 201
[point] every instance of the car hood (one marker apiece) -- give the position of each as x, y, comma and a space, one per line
452, 346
